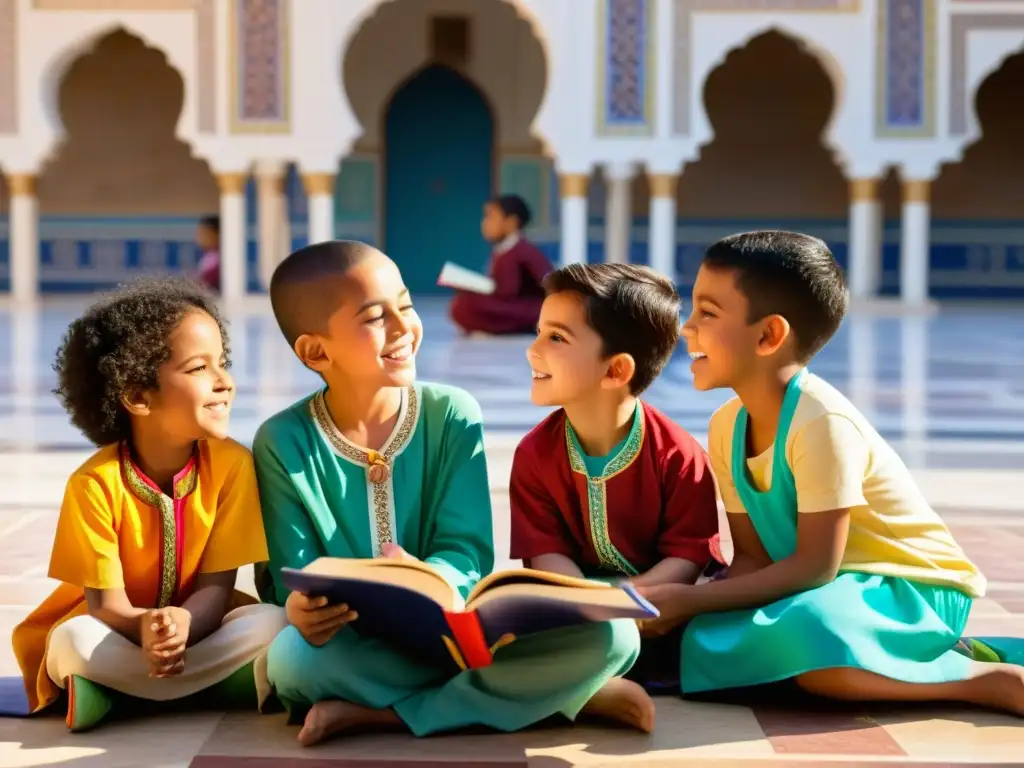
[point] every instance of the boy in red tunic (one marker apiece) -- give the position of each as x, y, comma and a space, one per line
517, 268
607, 486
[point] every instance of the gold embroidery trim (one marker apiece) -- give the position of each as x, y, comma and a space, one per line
369, 459
597, 493
169, 576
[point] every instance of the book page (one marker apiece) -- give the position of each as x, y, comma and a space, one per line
454, 276
528, 576
410, 574
604, 597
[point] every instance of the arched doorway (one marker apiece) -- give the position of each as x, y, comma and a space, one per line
439, 163
446, 94
769, 104
122, 194
976, 203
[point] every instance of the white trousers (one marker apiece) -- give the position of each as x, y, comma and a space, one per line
88, 648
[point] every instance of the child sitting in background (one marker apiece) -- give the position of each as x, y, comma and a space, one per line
154, 526
607, 486
517, 268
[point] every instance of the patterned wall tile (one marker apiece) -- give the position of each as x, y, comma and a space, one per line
626, 67
8, 66
905, 89
682, 35
356, 191
260, 63
527, 177
960, 27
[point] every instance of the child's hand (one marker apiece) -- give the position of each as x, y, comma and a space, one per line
395, 552
164, 635
315, 619
670, 600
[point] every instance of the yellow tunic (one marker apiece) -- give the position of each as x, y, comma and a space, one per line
117, 530
839, 461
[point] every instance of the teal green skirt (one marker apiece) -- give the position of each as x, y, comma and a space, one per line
893, 627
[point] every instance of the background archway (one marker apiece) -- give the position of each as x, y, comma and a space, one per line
769, 104
119, 104
988, 182
439, 140
485, 62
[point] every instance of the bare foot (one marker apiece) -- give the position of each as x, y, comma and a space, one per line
625, 702
327, 718
1001, 687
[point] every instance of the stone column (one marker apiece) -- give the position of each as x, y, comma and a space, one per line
273, 238
618, 217
320, 191
661, 233
233, 239
865, 255
914, 242
573, 188
24, 237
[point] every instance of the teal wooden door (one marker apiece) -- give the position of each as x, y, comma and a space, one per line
439, 144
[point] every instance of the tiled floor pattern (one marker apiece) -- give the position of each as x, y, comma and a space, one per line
948, 392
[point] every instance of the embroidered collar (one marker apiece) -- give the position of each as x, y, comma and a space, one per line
148, 491
627, 453
405, 426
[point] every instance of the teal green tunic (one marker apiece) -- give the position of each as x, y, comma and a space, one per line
318, 500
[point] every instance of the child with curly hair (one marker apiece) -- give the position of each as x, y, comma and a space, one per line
154, 526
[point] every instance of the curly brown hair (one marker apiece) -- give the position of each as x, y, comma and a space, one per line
118, 346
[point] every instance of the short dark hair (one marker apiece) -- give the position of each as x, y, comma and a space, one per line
788, 274
298, 296
211, 222
632, 308
118, 346
514, 205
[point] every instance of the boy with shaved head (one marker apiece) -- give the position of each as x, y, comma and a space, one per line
376, 464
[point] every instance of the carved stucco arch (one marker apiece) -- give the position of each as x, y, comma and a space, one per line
703, 133
60, 61
523, 11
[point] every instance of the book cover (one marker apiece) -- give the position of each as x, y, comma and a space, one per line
454, 276
408, 604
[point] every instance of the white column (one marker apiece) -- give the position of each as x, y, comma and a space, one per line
574, 217
320, 190
232, 235
865, 255
618, 215
661, 232
271, 217
24, 237
914, 242
915, 347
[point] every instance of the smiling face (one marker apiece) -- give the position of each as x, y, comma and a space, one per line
567, 358
194, 391
372, 338
724, 347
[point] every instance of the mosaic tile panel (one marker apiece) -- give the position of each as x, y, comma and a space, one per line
260, 59
626, 67
960, 27
906, 69
526, 176
682, 54
8, 66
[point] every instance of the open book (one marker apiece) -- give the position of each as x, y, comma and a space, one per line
454, 276
409, 604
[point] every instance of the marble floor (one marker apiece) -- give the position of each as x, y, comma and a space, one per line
946, 390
